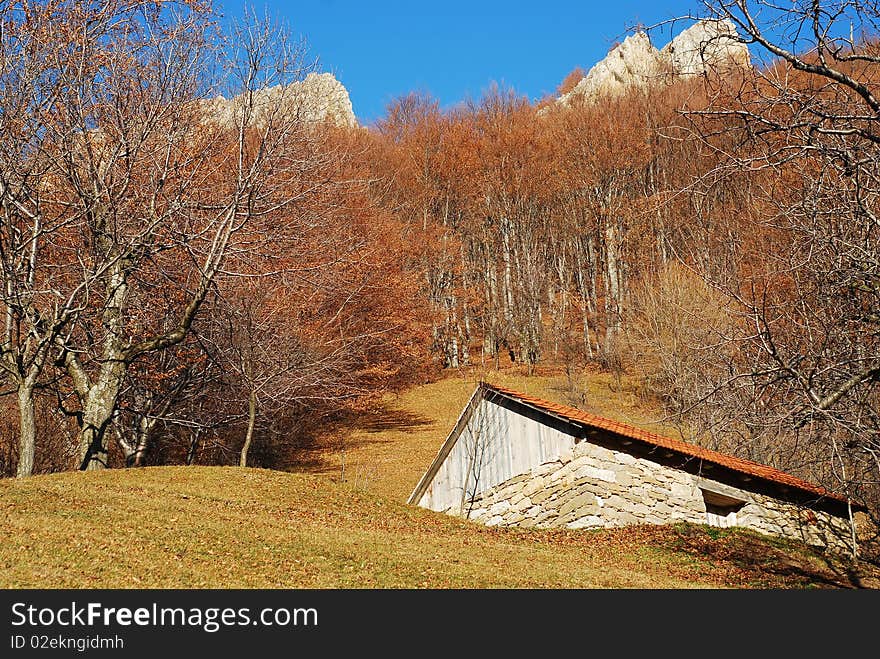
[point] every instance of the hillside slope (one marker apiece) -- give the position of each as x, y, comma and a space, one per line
227, 527
387, 449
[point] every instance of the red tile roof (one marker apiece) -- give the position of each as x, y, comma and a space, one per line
728, 461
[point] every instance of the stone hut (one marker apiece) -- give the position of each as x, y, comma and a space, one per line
516, 460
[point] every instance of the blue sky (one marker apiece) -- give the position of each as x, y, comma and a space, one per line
455, 49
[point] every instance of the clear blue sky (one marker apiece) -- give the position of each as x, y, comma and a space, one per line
454, 49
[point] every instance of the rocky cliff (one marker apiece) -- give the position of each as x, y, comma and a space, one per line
706, 46
318, 97
703, 47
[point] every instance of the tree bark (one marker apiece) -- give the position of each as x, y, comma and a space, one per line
193, 450
139, 457
27, 431
508, 273
586, 303
249, 436
99, 408
612, 291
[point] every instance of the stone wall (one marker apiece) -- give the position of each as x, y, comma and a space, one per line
591, 486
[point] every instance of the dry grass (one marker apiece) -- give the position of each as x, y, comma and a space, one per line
227, 527
389, 450
204, 527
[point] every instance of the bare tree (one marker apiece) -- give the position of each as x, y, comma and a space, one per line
123, 195
40, 298
22, 80
157, 388
269, 364
805, 125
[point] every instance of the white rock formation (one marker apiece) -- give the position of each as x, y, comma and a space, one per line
633, 62
707, 45
316, 98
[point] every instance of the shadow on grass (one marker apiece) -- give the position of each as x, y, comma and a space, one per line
770, 562
351, 432
386, 418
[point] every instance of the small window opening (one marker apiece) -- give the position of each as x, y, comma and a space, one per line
721, 509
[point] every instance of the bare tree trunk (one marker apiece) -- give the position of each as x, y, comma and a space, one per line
452, 331
586, 303
562, 295
508, 273
100, 404
252, 420
465, 338
490, 334
612, 291
592, 296
27, 431
464, 329
145, 429
193, 450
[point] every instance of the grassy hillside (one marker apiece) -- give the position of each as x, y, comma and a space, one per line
230, 527
225, 527
390, 447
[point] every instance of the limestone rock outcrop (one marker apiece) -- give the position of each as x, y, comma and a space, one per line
705, 46
708, 45
633, 62
318, 97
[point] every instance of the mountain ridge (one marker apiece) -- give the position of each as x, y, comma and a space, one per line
706, 46
316, 98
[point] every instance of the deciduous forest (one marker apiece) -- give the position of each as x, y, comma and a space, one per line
184, 285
